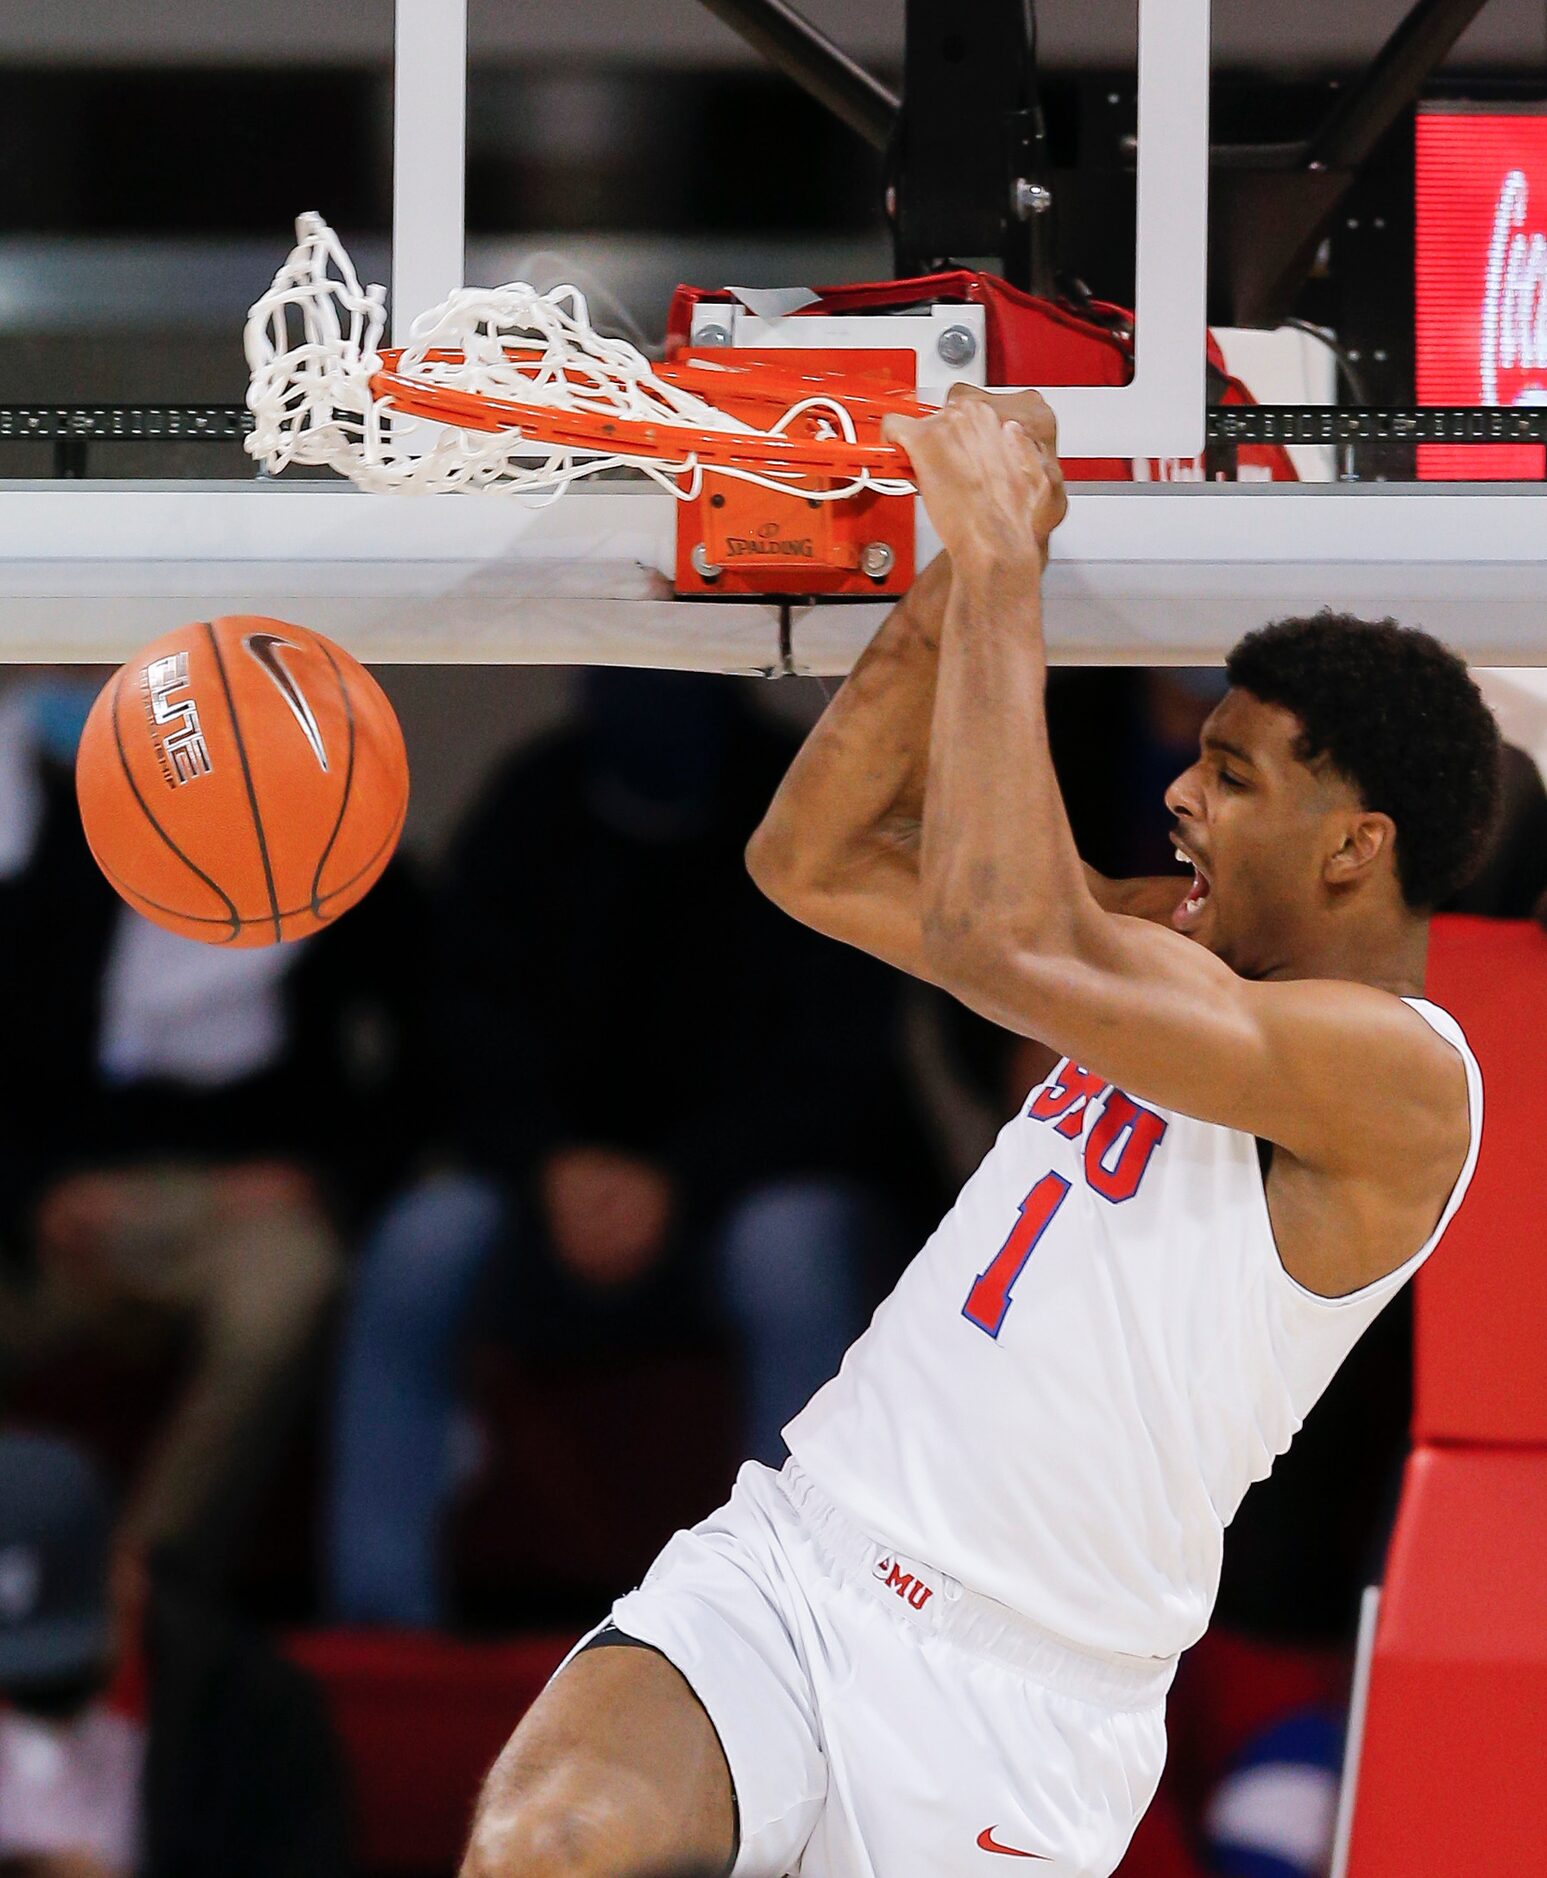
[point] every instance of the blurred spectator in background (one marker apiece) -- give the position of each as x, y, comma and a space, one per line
1120, 736
1513, 877
184, 1126
669, 1107
1274, 1812
139, 1734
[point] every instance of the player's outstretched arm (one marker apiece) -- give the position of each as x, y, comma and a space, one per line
1343, 1076
839, 847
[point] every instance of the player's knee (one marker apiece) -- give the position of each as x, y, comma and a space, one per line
550, 1835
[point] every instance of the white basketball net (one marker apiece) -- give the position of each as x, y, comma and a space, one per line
313, 346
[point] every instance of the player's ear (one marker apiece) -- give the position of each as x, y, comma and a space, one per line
1368, 839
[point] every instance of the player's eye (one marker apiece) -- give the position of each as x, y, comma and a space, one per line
1230, 781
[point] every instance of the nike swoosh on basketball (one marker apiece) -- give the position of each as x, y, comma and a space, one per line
264, 648
988, 1843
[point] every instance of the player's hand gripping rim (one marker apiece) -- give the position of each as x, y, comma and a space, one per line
987, 469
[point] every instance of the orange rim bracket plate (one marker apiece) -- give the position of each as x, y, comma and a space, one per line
737, 539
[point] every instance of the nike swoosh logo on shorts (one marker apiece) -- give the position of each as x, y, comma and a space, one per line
264, 648
988, 1843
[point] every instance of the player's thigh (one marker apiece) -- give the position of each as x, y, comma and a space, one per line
616, 1769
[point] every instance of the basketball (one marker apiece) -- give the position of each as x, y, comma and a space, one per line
242, 781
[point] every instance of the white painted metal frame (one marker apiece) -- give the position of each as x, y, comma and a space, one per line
1158, 414
1358, 1705
429, 157
918, 333
1158, 573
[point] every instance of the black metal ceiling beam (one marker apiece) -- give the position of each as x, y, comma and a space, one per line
1353, 423
1269, 207
1391, 83
824, 71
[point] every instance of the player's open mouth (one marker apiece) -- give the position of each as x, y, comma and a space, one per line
1190, 910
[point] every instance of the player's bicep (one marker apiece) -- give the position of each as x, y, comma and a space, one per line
1296, 1063
1150, 1011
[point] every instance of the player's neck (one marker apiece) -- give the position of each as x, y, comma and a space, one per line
1389, 950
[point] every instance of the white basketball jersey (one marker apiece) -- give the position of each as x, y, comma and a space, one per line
1096, 1353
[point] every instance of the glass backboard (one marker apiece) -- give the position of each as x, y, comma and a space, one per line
1151, 570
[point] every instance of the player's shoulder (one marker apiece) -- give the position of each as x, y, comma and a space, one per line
1452, 1075
1393, 1072
1358, 1013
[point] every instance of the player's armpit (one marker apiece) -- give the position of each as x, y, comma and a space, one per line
1343, 1076
1147, 896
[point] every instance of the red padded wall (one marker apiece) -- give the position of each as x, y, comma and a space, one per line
1482, 1300
1453, 1776
1453, 1768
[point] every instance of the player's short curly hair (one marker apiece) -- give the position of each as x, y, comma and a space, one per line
1400, 717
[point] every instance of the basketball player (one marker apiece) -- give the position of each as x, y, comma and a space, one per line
942, 1636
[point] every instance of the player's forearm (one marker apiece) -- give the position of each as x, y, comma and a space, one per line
998, 860
857, 783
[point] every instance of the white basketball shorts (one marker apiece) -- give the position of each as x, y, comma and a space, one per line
879, 1720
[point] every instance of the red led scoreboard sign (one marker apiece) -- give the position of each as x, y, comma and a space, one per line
1482, 276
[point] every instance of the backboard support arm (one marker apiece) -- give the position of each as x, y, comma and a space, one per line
1391, 83
970, 171
967, 159
824, 71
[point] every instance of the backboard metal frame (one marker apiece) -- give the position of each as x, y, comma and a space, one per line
1159, 413
429, 157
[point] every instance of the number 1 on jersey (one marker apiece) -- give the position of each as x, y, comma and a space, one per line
989, 1298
